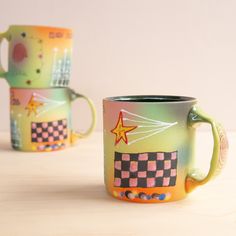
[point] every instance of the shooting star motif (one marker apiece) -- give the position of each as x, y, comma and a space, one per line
143, 126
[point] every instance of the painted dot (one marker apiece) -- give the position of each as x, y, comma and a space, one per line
115, 193
131, 196
41, 147
162, 196
155, 196
28, 82
143, 196
19, 53
40, 56
23, 34
38, 71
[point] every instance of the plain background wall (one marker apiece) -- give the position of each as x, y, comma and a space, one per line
184, 47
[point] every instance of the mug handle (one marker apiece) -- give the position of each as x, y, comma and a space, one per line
75, 135
2, 71
220, 148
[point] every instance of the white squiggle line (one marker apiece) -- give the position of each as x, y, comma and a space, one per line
49, 108
144, 118
148, 131
150, 135
54, 66
147, 136
139, 121
150, 126
44, 99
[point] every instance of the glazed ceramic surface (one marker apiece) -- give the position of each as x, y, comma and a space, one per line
149, 147
41, 119
39, 57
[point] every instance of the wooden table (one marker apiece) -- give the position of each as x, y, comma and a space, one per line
62, 194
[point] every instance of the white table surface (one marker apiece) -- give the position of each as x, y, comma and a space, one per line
62, 194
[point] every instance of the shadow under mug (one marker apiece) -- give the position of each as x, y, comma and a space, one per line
41, 119
149, 147
38, 56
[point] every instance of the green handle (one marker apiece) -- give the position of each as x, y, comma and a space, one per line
220, 149
2, 71
74, 134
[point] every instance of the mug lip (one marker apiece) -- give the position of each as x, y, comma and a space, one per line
40, 26
150, 99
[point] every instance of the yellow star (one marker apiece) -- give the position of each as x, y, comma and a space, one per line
33, 105
120, 130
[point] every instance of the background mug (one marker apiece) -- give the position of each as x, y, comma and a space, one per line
38, 56
149, 147
41, 119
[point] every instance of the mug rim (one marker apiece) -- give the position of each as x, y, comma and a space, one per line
160, 99
40, 26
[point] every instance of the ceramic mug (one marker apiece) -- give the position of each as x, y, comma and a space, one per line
38, 56
149, 147
41, 119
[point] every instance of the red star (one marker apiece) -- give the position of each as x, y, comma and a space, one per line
121, 131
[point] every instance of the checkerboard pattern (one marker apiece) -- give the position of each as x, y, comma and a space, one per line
49, 132
145, 170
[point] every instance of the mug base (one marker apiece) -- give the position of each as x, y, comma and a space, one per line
132, 196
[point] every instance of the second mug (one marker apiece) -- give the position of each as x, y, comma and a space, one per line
41, 118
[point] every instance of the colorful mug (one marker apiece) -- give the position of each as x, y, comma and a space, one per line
149, 147
38, 56
41, 118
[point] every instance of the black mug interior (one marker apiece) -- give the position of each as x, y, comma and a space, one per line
152, 98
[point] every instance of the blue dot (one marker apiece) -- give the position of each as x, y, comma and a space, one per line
162, 196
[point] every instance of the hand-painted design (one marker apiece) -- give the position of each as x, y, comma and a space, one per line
22, 51
131, 195
61, 68
23, 34
145, 126
40, 104
145, 170
33, 105
19, 53
48, 147
49, 136
121, 130
224, 145
49, 132
15, 134
14, 101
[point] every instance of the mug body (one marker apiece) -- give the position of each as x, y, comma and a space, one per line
148, 147
40, 119
39, 57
